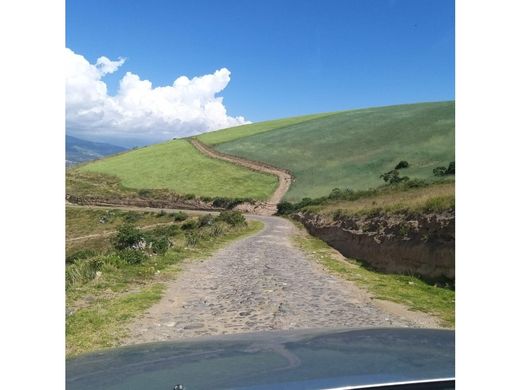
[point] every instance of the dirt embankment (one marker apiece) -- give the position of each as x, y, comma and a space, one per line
167, 203
284, 177
421, 245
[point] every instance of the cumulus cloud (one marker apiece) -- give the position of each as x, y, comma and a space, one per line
139, 110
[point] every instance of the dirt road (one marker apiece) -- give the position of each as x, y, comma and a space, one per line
258, 283
284, 177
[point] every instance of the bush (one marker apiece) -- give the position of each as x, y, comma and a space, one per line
451, 168
206, 220
128, 236
392, 177
145, 193
216, 230
180, 216
439, 171
132, 216
160, 245
161, 213
189, 225
131, 256
402, 164
233, 218
285, 208
415, 183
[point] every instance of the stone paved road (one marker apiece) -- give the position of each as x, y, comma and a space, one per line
258, 283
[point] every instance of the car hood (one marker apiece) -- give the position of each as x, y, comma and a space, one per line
298, 359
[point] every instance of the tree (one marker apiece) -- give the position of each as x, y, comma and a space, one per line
402, 164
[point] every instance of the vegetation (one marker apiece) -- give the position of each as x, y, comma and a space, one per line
349, 148
406, 290
409, 196
177, 166
90, 187
108, 287
233, 133
441, 171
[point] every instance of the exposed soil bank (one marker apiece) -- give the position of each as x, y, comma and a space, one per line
422, 245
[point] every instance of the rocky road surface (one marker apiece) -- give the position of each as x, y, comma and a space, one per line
258, 283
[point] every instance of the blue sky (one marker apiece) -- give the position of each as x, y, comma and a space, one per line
286, 58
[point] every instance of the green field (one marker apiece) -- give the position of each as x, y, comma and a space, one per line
178, 166
233, 133
349, 148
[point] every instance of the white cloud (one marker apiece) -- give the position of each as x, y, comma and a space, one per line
139, 110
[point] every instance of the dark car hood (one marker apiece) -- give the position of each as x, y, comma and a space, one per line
299, 359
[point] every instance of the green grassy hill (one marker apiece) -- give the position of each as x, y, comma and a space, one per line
323, 151
178, 166
349, 148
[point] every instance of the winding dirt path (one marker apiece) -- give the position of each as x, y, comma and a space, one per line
284, 177
261, 282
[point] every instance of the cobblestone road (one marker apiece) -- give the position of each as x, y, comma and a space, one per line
258, 283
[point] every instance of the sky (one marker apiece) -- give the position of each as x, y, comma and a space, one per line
144, 71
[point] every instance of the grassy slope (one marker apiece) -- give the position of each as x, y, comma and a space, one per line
233, 133
177, 166
436, 197
350, 148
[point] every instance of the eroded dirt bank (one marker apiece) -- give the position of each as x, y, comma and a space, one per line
416, 244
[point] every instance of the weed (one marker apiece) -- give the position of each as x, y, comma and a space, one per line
233, 218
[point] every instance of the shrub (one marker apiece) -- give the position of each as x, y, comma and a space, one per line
189, 225
131, 256
451, 168
206, 220
415, 183
439, 171
132, 216
392, 177
180, 216
216, 230
160, 245
402, 164
128, 236
233, 218
145, 193
161, 213
285, 208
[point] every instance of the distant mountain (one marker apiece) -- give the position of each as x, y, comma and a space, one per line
79, 150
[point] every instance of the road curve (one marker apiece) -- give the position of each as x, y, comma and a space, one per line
284, 176
258, 283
